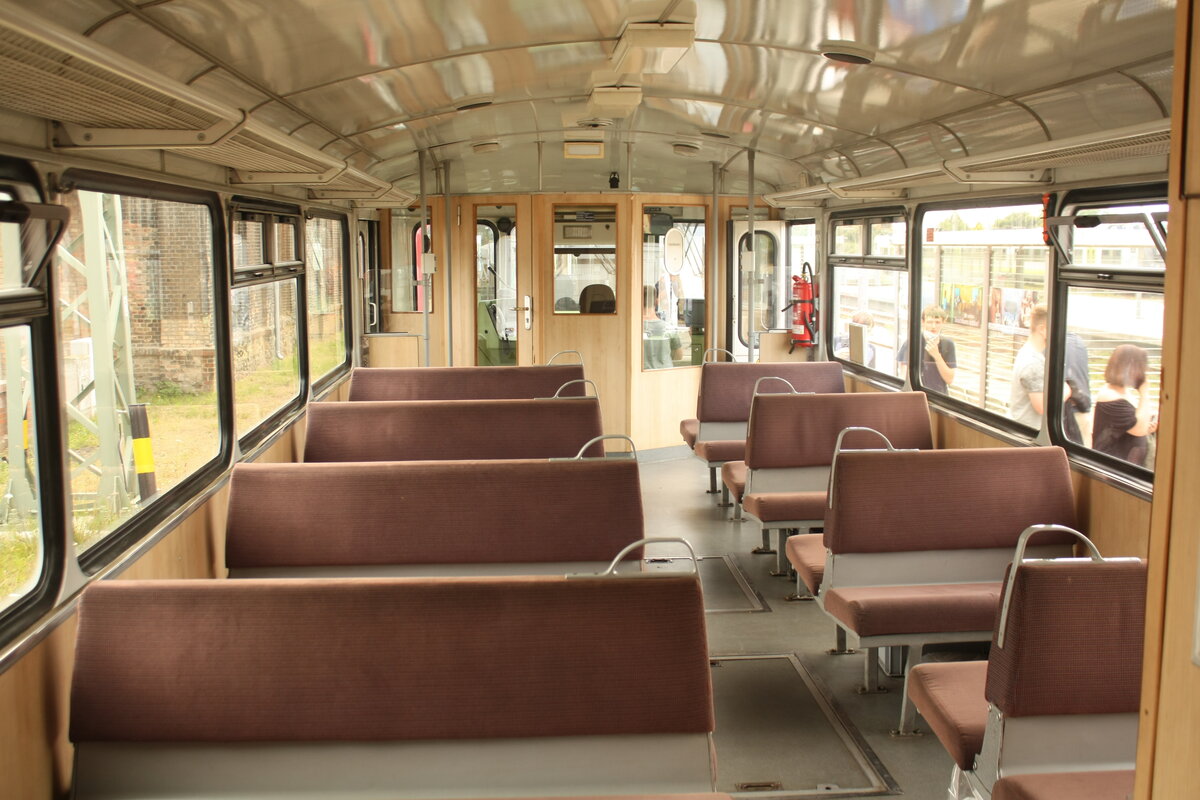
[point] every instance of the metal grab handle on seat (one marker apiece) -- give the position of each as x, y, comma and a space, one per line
1019, 558
776, 378
602, 437
579, 380
564, 352
653, 539
837, 450
705, 360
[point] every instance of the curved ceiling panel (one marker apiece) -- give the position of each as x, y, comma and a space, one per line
374, 101
873, 157
1156, 76
78, 16
926, 144
999, 127
1108, 101
358, 37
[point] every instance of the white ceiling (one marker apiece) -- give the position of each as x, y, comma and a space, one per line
372, 82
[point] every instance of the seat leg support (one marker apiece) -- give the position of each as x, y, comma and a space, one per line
840, 648
765, 549
802, 593
783, 567
712, 480
908, 712
871, 673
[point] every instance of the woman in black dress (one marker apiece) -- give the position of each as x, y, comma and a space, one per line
1119, 427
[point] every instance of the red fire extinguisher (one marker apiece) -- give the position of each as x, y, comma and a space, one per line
805, 308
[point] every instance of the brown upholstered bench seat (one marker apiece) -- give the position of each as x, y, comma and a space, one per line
408, 518
452, 430
806, 553
404, 688
1103, 785
785, 506
733, 476
721, 450
466, 383
689, 429
950, 698
922, 608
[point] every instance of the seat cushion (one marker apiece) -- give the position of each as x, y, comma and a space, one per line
689, 429
721, 450
785, 506
733, 474
950, 698
1104, 785
806, 552
895, 610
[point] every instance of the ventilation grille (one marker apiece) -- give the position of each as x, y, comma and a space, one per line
249, 151
44, 80
1148, 140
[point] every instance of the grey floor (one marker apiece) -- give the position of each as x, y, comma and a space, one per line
770, 730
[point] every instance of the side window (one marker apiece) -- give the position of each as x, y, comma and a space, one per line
266, 316
27, 557
137, 340
983, 279
768, 294
1111, 293
585, 260
869, 285
325, 295
673, 281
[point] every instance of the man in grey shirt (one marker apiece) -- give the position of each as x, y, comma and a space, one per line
1027, 401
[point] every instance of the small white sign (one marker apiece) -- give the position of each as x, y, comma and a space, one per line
673, 249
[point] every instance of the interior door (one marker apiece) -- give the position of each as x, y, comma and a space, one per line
367, 244
756, 299
502, 303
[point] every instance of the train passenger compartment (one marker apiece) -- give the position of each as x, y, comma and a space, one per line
432, 518
386, 688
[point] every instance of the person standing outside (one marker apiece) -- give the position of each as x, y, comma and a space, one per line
938, 358
1121, 428
1027, 398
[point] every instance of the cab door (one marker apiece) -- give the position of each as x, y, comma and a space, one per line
499, 241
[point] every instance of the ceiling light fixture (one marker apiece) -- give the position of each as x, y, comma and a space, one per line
685, 149
847, 52
652, 48
485, 147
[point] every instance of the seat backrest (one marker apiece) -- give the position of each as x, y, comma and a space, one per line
947, 499
801, 430
726, 389
452, 430
464, 383
597, 298
420, 512
389, 659
1072, 641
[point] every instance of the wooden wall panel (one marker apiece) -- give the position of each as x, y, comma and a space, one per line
661, 399
412, 321
35, 756
393, 350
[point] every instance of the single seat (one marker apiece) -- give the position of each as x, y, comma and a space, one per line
466, 383
1061, 689
1101, 785
597, 298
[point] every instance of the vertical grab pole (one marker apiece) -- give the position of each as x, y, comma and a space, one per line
753, 306
714, 285
425, 280
447, 239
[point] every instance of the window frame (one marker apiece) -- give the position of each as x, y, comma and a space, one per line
321, 382
23, 183
1006, 425
1065, 276
867, 260
271, 272
143, 522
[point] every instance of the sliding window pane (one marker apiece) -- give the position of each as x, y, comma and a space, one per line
325, 276
673, 270
266, 368
138, 347
21, 548
875, 300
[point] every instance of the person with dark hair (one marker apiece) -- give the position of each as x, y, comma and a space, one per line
1120, 428
1075, 373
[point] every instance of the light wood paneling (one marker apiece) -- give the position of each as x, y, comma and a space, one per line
35, 759
1169, 736
412, 321
661, 398
393, 350
774, 345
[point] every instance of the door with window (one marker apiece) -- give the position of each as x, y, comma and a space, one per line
367, 244
759, 288
497, 237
